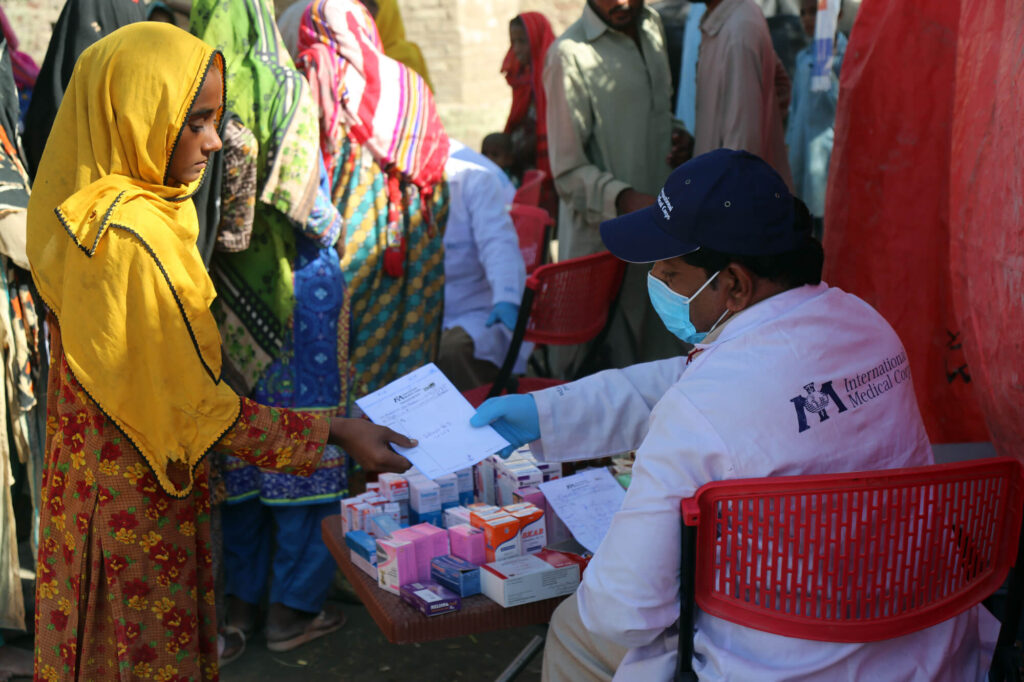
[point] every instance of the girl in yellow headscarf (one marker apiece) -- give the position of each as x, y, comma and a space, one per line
135, 399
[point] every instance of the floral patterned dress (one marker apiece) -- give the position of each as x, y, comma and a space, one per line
124, 588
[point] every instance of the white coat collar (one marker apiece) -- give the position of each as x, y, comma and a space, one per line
765, 311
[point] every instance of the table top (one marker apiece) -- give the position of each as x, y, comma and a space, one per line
403, 624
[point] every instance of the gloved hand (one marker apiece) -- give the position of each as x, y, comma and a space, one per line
504, 312
513, 416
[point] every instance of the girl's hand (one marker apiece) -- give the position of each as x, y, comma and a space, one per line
368, 444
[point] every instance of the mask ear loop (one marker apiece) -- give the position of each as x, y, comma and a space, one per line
720, 318
702, 286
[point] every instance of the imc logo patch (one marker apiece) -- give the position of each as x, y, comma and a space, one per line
816, 402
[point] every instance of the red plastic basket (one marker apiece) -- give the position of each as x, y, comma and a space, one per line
855, 557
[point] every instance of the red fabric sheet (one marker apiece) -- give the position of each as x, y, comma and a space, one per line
986, 198
888, 233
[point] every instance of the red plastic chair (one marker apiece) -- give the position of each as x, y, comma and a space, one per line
564, 303
856, 557
533, 226
528, 193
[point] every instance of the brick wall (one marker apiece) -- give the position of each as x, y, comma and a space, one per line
464, 42
33, 22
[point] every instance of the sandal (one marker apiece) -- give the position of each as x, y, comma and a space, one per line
325, 622
230, 645
243, 616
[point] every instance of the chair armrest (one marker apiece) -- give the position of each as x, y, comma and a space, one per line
690, 511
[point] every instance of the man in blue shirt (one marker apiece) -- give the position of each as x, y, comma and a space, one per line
812, 116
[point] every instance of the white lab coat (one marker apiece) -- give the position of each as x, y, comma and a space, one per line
738, 411
482, 262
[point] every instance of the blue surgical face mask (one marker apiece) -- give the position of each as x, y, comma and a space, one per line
674, 309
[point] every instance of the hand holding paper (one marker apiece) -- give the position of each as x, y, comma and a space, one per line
513, 416
425, 406
367, 443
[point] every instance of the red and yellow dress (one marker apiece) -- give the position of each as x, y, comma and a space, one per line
125, 584
136, 400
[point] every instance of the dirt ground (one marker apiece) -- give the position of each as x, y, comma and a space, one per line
359, 653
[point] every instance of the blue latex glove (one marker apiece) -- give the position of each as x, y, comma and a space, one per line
504, 312
513, 416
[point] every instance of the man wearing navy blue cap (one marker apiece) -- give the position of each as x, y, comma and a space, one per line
788, 376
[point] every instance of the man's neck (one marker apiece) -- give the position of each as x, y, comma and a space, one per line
630, 30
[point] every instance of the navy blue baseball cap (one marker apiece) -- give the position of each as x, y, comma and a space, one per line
725, 200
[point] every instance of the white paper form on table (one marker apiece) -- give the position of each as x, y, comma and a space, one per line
586, 503
426, 406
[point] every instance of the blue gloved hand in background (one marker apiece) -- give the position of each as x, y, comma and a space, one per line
504, 312
513, 416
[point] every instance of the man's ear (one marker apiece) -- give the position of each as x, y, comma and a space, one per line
739, 284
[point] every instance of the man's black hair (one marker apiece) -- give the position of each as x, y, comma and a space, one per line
791, 269
497, 143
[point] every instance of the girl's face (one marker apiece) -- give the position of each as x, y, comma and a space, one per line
520, 43
199, 139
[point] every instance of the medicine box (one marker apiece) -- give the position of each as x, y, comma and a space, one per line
396, 564
394, 487
394, 510
449, 487
430, 598
403, 512
549, 470
501, 535
369, 568
483, 473
424, 501
362, 544
532, 529
360, 512
458, 575
468, 543
455, 516
438, 538
533, 495
346, 517
381, 525
465, 485
529, 578
422, 546
512, 476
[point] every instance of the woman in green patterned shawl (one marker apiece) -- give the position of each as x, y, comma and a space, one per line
282, 308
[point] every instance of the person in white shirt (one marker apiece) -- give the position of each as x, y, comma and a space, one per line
484, 271
788, 376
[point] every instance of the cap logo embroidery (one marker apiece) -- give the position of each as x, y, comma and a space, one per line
665, 205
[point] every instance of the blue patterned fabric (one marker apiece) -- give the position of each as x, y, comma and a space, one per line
308, 375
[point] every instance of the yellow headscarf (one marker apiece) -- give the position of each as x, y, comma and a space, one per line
113, 248
392, 35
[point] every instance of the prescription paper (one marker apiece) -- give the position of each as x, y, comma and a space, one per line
586, 503
424, 405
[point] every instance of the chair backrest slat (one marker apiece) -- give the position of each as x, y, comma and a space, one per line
533, 225
572, 298
528, 193
857, 557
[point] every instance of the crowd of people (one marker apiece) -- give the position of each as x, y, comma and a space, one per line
214, 240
